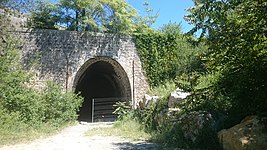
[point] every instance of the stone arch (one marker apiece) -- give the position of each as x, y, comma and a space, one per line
101, 78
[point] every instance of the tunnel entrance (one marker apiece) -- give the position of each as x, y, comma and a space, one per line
102, 82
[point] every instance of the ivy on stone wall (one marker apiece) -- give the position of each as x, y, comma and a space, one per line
165, 56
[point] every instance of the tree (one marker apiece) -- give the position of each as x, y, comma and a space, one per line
171, 28
236, 33
115, 16
44, 16
143, 23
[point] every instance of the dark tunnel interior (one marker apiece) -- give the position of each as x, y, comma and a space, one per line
98, 81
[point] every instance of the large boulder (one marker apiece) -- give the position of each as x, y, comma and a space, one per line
251, 133
176, 97
193, 122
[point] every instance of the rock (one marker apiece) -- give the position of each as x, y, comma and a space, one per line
141, 105
176, 97
193, 122
251, 133
147, 101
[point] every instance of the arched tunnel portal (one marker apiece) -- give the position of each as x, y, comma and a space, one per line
102, 82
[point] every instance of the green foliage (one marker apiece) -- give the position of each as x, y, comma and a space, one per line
187, 80
14, 96
24, 110
167, 127
99, 15
11, 126
149, 19
115, 16
45, 16
149, 115
235, 32
14, 131
171, 59
122, 109
10, 121
171, 28
204, 93
171, 137
59, 106
33, 106
128, 128
163, 90
155, 120
165, 56
127, 125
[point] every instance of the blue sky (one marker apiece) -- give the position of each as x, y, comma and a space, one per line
168, 10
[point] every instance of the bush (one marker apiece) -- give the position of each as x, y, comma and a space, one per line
171, 129
177, 132
34, 107
123, 110
10, 126
9, 121
59, 106
150, 115
171, 137
24, 110
236, 38
15, 96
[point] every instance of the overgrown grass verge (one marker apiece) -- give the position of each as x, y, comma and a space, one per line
126, 128
21, 132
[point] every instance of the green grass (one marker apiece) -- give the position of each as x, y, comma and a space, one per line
163, 90
127, 128
22, 133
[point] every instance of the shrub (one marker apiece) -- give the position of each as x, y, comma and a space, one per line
33, 107
150, 115
15, 95
235, 34
30, 106
171, 137
10, 126
59, 106
22, 108
172, 129
123, 110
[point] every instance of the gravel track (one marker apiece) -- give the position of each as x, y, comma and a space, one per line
72, 138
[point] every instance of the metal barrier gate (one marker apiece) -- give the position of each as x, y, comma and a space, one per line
102, 108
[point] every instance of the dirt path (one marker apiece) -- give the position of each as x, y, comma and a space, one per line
73, 138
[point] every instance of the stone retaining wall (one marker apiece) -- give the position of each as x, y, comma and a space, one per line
60, 56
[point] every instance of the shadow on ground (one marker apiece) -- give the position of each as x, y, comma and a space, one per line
137, 146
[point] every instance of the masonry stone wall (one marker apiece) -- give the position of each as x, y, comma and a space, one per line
60, 56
